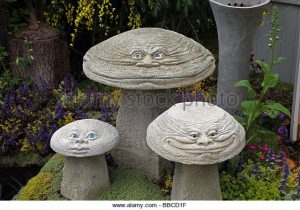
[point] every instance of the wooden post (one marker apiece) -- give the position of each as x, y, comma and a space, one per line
295, 127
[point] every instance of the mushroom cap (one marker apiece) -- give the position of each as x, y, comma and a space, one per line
148, 58
196, 133
83, 138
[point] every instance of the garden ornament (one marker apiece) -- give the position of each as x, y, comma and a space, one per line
83, 143
237, 22
196, 136
146, 64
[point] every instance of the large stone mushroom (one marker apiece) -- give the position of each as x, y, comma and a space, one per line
196, 136
83, 143
145, 63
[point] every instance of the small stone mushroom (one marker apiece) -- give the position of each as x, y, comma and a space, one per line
145, 63
83, 143
196, 136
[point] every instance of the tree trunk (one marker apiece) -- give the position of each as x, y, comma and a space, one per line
50, 59
3, 24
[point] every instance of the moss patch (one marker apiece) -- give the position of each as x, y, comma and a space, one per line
37, 187
126, 185
131, 185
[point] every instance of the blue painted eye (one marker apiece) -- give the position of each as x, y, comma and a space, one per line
74, 135
137, 55
91, 136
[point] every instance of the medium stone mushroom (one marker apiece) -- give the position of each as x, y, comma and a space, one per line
146, 64
83, 143
196, 136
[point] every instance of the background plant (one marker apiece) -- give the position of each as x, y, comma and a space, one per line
267, 178
256, 104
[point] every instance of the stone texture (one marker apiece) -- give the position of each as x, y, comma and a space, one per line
84, 138
148, 58
197, 136
84, 142
196, 133
84, 178
137, 111
196, 182
236, 30
145, 59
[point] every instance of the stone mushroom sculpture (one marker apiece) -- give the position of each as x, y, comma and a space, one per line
145, 63
83, 143
196, 136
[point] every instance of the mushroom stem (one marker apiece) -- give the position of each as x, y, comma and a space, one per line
84, 178
137, 110
196, 182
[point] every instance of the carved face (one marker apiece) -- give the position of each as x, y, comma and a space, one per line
148, 58
84, 138
201, 134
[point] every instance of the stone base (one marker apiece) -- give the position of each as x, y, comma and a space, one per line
84, 178
138, 109
196, 182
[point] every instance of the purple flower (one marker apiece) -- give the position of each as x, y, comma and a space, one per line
283, 132
281, 116
59, 112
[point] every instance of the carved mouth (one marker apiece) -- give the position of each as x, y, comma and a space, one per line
79, 150
215, 147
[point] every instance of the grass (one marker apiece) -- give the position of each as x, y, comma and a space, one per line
125, 184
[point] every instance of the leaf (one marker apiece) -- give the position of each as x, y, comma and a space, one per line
270, 80
278, 107
246, 84
232, 164
240, 120
280, 60
252, 109
264, 66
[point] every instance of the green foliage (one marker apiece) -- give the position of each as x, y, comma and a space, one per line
126, 184
6, 78
256, 104
251, 185
37, 187
25, 62
131, 185
189, 17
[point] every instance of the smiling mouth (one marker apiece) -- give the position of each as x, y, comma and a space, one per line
194, 148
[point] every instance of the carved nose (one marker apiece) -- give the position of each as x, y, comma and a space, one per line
147, 62
80, 141
204, 140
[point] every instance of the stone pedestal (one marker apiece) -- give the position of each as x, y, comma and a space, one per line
196, 182
84, 178
138, 109
236, 31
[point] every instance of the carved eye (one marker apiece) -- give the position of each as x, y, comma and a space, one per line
159, 55
212, 133
194, 135
138, 55
74, 135
91, 136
